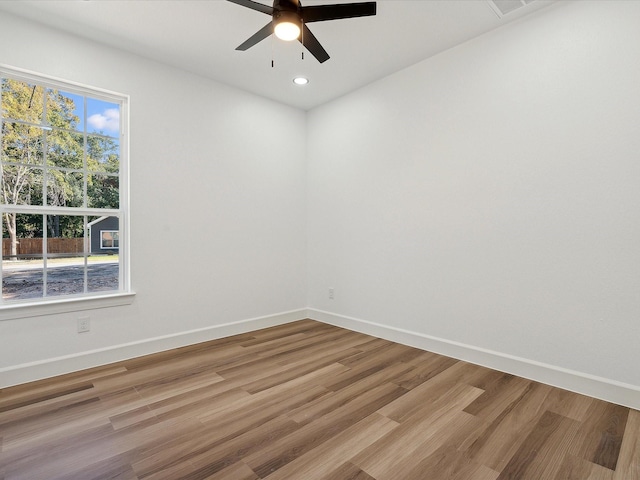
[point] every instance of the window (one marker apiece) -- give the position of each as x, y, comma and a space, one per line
109, 239
63, 167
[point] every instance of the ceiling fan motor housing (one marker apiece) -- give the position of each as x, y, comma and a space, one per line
286, 6
286, 16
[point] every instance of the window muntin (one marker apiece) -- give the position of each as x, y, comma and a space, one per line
62, 166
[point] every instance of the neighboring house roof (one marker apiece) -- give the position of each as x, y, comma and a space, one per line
97, 220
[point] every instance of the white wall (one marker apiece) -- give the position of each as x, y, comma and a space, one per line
490, 196
218, 218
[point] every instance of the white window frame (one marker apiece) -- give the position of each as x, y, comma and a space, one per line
92, 300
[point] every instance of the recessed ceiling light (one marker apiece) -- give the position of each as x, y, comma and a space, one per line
300, 80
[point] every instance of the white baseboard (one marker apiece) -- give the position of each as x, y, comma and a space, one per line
29, 372
591, 385
578, 382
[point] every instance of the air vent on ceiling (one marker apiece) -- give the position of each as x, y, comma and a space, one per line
504, 7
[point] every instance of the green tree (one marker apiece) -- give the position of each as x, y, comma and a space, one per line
103, 161
32, 118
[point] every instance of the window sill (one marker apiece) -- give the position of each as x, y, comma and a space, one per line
64, 305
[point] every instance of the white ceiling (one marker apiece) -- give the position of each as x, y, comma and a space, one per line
200, 36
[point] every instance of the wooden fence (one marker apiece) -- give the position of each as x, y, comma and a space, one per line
28, 247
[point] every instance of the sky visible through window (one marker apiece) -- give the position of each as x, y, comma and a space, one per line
102, 117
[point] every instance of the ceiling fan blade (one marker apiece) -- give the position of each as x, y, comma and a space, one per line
320, 13
312, 44
254, 6
260, 35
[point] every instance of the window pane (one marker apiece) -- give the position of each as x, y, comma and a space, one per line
103, 273
22, 144
22, 256
22, 279
67, 227
103, 117
65, 254
65, 149
65, 276
21, 185
104, 235
65, 189
65, 110
103, 154
22, 101
103, 191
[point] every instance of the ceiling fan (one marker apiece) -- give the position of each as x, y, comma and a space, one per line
290, 18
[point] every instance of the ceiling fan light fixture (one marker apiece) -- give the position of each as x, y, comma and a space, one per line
300, 80
287, 26
289, 21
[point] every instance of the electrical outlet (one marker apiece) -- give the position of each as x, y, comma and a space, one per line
331, 293
84, 324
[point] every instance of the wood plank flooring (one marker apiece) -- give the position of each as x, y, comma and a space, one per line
309, 401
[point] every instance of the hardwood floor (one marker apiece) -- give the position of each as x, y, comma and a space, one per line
309, 401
